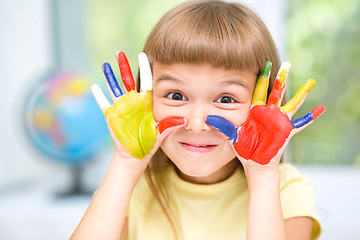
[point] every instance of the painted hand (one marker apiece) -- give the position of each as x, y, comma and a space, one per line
130, 119
269, 127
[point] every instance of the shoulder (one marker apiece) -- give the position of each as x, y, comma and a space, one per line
297, 197
294, 184
290, 174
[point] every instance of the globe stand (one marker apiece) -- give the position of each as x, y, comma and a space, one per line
76, 188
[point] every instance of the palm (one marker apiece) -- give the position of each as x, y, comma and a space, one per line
130, 119
268, 128
264, 133
132, 123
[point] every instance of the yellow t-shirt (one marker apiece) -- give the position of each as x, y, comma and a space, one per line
215, 211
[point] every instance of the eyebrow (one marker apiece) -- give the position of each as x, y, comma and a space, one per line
235, 82
166, 77
228, 82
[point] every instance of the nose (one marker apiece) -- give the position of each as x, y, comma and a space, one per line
196, 120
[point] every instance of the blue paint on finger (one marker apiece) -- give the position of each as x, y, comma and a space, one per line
223, 126
302, 121
110, 77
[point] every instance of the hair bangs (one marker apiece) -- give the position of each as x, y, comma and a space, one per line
216, 34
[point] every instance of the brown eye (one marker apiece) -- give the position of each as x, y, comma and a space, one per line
176, 96
225, 99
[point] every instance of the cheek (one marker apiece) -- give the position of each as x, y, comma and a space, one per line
161, 111
237, 117
156, 110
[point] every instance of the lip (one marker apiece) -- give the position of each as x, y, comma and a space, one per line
198, 148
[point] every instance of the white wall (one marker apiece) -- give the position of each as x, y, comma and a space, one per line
273, 15
26, 48
25, 56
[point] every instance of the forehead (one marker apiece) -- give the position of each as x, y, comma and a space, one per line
180, 73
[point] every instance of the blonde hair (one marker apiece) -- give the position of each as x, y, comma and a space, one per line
225, 35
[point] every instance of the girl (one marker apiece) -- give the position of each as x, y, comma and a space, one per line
199, 156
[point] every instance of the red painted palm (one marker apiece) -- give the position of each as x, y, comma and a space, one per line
269, 127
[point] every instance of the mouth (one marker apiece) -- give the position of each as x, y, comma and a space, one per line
199, 148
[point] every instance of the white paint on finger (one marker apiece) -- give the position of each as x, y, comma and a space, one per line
100, 97
145, 72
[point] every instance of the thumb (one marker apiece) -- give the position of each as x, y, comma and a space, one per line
223, 125
168, 125
228, 129
165, 127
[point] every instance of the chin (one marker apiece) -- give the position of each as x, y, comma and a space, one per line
199, 162
201, 166
206, 174
196, 170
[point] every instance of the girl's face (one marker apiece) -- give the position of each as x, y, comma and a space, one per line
200, 152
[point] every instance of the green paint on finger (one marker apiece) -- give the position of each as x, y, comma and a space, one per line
266, 71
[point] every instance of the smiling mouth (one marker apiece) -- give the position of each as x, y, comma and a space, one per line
197, 147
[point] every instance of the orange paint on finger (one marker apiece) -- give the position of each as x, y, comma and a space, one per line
278, 88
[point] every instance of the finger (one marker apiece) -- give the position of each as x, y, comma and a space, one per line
111, 80
145, 72
295, 103
262, 85
315, 113
165, 127
223, 125
100, 97
169, 123
277, 92
125, 71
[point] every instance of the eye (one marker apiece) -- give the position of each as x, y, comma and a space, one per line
225, 99
176, 96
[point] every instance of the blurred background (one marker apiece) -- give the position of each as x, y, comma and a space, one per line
55, 148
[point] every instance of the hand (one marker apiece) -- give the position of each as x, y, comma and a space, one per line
268, 129
130, 119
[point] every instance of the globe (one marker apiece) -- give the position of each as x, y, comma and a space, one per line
63, 120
